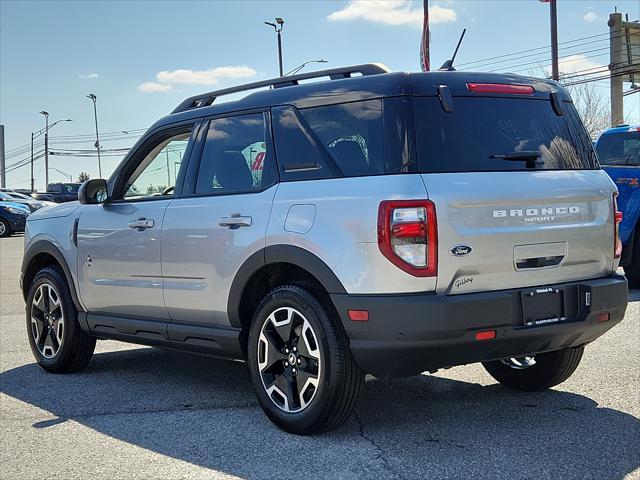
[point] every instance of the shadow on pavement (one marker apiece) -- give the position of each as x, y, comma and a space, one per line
203, 411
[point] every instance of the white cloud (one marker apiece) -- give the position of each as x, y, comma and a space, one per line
391, 12
578, 63
89, 76
204, 77
590, 16
153, 87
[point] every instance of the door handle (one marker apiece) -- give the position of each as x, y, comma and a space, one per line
235, 220
141, 223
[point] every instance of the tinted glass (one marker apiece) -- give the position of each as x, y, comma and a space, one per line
156, 175
480, 130
619, 148
235, 156
300, 156
352, 135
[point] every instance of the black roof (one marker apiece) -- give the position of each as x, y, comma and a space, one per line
375, 82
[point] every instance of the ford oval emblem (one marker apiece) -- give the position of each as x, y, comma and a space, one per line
460, 250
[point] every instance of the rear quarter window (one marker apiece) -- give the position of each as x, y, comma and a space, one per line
480, 128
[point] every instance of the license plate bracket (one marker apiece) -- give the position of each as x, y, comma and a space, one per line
543, 306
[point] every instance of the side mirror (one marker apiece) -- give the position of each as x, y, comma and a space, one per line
93, 191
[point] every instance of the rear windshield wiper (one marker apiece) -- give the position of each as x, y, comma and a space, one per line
532, 156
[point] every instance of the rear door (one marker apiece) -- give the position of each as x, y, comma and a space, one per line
519, 196
221, 219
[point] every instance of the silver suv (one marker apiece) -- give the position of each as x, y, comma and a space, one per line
373, 222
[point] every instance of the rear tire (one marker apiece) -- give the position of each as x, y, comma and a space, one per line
632, 271
301, 366
550, 369
56, 339
5, 228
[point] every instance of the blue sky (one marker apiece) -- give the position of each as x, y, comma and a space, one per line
142, 58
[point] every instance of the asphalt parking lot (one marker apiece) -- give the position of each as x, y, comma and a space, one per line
139, 412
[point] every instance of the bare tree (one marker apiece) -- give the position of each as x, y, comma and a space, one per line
83, 177
592, 106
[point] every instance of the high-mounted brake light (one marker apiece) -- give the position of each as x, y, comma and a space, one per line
617, 243
408, 235
500, 88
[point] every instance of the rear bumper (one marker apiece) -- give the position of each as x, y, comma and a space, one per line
408, 334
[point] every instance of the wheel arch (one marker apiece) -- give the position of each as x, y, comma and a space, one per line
41, 254
272, 266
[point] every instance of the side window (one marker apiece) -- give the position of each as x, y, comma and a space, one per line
300, 156
157, 172
236, 156
352, 134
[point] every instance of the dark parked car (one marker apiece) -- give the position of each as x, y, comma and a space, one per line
12, 219
59, 192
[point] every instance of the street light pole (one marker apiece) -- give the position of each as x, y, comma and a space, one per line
32, 181
95, 115
46, 148
301, 66
555, 74
278, 28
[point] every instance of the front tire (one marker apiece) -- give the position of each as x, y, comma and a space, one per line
301, 366
538, 372
57, 341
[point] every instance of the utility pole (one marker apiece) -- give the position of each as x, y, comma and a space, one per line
46, 148
616, 67
555, 74
32, 181
3, 173
97, 145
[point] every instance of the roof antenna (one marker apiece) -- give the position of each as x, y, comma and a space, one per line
448, 65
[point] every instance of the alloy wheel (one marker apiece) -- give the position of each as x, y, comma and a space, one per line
47, 320
3, 228
289, 359
519, 363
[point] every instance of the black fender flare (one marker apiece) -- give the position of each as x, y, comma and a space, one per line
278, 254
45, 246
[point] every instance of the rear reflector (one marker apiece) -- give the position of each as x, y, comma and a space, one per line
486, 335
603, 317
500, 88
617, 243
358, 315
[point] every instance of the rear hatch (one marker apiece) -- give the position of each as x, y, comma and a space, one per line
520, 199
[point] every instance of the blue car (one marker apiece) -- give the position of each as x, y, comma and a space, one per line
619, 154
13, 217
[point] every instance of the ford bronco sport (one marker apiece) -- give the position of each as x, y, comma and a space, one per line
373, 222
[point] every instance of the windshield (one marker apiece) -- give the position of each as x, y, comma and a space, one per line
496, 134
619, 148
19, 195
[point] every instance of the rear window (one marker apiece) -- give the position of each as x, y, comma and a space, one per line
619, 149
479, 131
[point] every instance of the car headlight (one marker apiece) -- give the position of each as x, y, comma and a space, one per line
17, 211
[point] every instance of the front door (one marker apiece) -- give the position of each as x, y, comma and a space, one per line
119, 242
208, 233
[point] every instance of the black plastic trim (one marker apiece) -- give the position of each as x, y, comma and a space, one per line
408, 334
279, 254
213, 340
44, 246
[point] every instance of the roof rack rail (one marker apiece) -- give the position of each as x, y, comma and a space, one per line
206, 99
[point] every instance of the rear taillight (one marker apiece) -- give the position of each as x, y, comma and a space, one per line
408, 235
617, 246
500, 88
